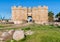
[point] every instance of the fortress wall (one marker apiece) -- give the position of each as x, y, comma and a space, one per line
42, 14
17, 14
24, 13
45, 14
39, 14
14, 13
34, 13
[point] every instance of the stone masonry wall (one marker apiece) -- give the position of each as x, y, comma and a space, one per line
39, 14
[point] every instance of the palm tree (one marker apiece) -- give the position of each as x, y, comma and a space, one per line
50, 16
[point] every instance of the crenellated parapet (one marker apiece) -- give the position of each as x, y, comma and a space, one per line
43, 7
13, 7
39, 7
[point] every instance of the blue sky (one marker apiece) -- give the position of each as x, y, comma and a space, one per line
5, 5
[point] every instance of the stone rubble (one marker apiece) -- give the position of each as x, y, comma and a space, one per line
15, 34
18, 35
29, 32
11, 32
6, 36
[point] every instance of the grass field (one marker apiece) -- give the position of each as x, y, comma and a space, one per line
5, 25
43, 33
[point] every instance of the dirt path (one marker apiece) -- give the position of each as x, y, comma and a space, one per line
16, 26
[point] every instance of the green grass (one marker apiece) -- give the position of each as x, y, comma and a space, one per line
43, 33
5, 25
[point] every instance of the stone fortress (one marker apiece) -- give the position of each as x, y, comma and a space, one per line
37, 15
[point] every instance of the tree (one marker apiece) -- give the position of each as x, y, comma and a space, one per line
50, 16
58, 16
2, 18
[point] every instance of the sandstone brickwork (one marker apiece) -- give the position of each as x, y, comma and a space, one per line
39, 14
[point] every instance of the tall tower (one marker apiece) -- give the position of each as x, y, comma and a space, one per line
40, 14
18, 14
